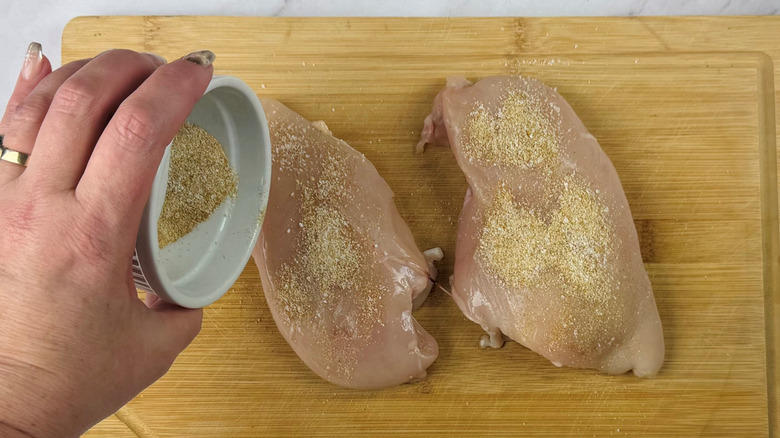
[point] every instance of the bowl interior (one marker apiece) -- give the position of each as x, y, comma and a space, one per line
201, 266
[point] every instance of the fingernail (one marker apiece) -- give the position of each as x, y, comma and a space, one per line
159, 60
32, 61
201, 57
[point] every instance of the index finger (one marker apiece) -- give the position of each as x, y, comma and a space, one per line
120, 172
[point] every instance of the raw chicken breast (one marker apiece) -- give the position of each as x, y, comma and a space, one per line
339, 266
547, 251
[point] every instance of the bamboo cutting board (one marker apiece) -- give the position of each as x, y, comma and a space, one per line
685, 108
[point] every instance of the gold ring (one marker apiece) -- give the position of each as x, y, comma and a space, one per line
12, 156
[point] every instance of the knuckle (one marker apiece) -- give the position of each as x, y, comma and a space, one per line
31, 111
111, 53
126, 57
75, 96
135, 128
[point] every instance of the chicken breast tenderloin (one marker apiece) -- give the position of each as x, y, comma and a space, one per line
339, 266
547, 252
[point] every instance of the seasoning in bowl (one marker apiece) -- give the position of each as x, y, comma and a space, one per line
200, 179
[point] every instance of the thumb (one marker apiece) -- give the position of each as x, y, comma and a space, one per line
175, 327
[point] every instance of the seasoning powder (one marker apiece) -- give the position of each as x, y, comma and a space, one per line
200, 179
549, 237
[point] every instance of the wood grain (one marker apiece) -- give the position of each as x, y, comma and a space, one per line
685, 108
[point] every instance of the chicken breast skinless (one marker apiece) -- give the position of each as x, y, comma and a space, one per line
339, 266
547, 252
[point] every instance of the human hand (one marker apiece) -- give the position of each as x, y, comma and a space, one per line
76, 343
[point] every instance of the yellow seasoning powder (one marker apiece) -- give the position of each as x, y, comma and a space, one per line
200, 179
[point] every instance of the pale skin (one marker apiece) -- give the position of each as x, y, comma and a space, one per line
76, 342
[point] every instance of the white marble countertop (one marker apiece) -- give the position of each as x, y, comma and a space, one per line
43, 20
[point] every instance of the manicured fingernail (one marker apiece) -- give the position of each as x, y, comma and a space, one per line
32, 61
201, 57
159, 60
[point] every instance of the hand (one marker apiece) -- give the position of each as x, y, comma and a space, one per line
76, 343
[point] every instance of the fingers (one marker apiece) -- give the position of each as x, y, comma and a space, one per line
24, 122
80, 110
119, 175
34, 69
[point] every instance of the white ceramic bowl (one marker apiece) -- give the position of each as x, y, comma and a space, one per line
200, 267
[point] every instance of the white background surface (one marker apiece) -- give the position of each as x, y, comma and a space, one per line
22, 21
